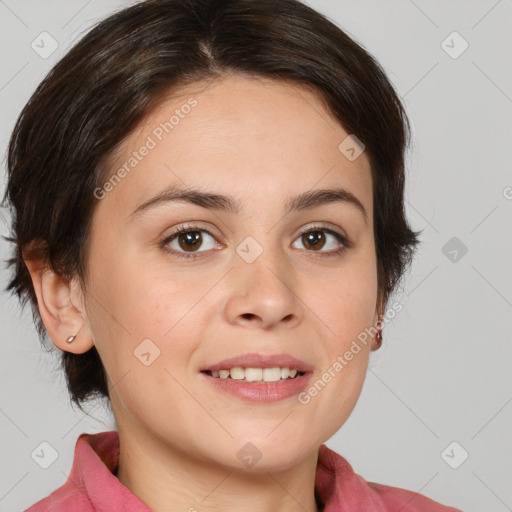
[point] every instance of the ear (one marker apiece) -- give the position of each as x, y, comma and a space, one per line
61, 306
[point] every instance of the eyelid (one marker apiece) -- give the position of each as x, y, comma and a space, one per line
193, 225
322, 226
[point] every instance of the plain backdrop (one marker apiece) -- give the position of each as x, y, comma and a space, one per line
435, 414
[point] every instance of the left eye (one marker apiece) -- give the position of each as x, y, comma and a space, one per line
317, 238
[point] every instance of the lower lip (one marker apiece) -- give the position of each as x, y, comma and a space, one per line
260, 391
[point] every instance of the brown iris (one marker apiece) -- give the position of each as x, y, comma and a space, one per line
313, 238
191, 240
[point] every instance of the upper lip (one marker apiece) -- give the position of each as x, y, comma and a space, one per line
254, 360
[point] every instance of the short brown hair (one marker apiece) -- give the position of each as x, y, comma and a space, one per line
112, 78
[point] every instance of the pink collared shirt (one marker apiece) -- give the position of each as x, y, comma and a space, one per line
93, 487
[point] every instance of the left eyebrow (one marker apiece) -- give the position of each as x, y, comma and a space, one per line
213, 201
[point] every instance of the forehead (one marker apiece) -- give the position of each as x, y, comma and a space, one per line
250, 137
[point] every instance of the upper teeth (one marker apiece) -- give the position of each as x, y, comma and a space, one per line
256, 374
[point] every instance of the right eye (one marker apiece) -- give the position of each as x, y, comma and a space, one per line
187, 239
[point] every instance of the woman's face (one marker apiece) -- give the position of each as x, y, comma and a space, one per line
256, 286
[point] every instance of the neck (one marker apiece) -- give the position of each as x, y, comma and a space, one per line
160, 475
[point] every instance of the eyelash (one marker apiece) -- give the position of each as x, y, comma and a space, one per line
198, 254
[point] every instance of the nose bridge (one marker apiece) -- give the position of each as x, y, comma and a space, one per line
261, 285
260, 256
264, 244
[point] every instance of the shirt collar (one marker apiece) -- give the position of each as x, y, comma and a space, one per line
95, 462
339, 488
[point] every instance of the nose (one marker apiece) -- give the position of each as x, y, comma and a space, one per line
262, 294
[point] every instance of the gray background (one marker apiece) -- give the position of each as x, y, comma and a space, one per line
443, 373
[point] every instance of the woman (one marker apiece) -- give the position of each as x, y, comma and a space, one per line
209, 224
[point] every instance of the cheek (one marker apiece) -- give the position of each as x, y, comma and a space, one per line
346, 305
138, 298
347, 300
159, 315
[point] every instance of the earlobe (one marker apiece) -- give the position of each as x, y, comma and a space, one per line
61, 314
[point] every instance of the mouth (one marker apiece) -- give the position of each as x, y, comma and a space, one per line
259, 385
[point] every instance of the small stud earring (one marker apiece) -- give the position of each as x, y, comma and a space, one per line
71, 338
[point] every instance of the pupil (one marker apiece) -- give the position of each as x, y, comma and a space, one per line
192, 239
313, 237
